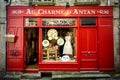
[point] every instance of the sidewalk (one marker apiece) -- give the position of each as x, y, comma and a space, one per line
85, 76
63, 76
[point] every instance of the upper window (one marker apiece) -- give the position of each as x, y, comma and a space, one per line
42, 0
88, 22
87, 0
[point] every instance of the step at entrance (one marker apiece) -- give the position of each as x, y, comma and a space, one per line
78, 75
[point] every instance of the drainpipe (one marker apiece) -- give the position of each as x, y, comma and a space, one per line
108, 2
7, 4
119, 32
119, 37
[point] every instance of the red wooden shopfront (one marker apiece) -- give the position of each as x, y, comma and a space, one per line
91, 28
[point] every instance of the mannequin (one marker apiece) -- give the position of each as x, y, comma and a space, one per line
67, 49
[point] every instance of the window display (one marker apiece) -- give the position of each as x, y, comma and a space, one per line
59, 45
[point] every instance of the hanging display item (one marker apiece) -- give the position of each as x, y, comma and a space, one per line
45, 43
60, 41
52, 34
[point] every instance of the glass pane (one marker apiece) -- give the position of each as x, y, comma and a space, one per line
39, 0
31, 22
47, 0
59, 45
35, 0
86, 0
59, 22
88, 21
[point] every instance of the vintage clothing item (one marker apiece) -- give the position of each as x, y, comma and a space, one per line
67, 49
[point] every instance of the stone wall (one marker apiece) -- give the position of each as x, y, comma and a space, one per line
116, 37
2, 39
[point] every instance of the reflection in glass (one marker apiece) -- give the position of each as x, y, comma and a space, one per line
61, 49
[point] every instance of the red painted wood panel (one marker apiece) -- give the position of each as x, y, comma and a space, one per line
15, 52
15, 22
106, 48
18, 44
15, 64
58, 66
88, 45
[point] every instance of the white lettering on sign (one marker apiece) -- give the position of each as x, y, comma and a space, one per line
76, 11
61, 12
42, 11
30, 11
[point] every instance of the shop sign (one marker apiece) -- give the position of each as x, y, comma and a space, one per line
60, 12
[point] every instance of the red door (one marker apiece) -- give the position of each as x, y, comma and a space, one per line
88, 44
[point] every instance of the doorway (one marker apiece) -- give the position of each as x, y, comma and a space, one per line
88, 37
32, 50
89, 60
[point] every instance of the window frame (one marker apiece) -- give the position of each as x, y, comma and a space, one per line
97, 2
42, 1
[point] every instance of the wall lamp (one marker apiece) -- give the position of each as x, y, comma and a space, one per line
116, 2
67, 5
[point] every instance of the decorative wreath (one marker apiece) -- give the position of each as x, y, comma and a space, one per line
45, 43
52, 34
60, 41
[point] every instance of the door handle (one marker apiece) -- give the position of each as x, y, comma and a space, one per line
88, 53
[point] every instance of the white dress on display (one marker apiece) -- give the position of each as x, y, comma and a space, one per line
67, 49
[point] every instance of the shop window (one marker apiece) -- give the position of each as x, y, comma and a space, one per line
59, 22
88, 22
31, 22
59, 45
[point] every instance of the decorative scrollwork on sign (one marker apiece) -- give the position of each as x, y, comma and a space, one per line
59, 22
17, 12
